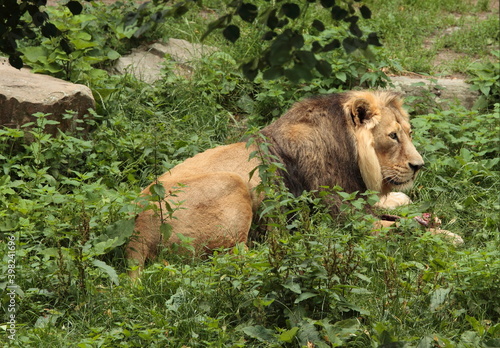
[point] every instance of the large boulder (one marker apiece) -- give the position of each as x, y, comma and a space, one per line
23, 93
146, 62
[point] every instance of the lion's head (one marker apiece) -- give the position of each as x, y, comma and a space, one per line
387, 157
356, 140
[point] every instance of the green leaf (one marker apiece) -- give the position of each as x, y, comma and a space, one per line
158, 191
260, 302
34, 53
438, 297
342, 76
82, 44
110, 271
308, 333
166, 231
305, 296
361, 291
288, 335
290, 285
485, 89
121, 230
113, 55
476, 325
260, 333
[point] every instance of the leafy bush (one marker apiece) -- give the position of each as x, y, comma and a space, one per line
312, 279
486, 80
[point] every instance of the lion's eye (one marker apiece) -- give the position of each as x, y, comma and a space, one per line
393, 136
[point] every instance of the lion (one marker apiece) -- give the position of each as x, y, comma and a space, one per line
358, 140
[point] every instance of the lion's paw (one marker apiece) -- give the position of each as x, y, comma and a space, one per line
393, 200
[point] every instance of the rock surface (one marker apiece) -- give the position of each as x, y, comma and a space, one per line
23, 93
145, 63
442, 89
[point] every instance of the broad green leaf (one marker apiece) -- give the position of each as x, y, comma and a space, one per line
290, 285
476, 324
342, 76
438, 297
308, 333
166, 231
304, 296
158, 191
260, 333
83, 44
259, 302
110, 271
34, 53
288, 335
112, 54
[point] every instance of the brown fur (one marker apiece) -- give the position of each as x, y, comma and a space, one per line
339, 139
343, 140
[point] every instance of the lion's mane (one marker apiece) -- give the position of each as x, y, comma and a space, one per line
322, 141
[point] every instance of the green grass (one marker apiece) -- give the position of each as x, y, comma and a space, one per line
415, 32
67, 200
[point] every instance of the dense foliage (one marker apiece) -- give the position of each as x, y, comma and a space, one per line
66, 203
287, 52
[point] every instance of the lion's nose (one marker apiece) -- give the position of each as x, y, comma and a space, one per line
416, 166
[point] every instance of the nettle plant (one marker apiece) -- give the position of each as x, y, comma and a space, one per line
65, 217
486, 79
75, 46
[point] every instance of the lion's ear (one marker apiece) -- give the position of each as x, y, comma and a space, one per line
363, 110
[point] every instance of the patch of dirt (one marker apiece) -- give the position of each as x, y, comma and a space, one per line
445, 55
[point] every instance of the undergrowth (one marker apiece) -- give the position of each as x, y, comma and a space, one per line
67, 203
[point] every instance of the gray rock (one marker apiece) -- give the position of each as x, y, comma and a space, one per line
145, 63
141, 63
23, 93
442, 89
